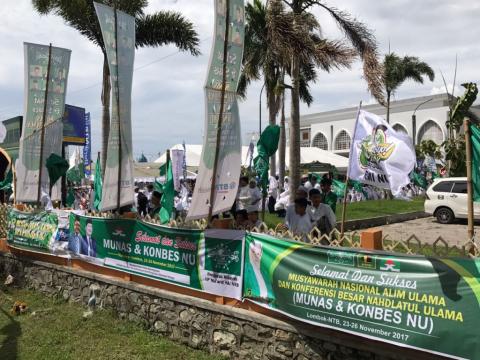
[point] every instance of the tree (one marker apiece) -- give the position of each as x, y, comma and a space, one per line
259, 61
161, 28
397, 70
296, 35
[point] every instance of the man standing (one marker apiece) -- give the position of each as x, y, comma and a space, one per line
299, 221
272, 193
243, 195
88, 245
328, 197
156, 204
322, 215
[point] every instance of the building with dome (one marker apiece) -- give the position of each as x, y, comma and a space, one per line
422, 118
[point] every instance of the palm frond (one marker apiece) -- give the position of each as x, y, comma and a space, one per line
166, 27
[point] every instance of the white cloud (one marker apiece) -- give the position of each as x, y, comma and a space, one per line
168, 99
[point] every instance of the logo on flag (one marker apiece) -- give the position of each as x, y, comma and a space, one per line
389, 265
366, 261
380, 156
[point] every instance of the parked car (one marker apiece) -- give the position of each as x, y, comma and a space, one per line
447, 200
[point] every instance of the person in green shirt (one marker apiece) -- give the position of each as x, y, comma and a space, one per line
328, 197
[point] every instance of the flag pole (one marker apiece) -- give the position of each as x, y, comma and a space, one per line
468, 145
42, 129
220, 115
344, 205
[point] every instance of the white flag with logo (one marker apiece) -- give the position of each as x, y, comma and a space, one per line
380, 156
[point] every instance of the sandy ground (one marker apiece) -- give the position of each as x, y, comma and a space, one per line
427, 230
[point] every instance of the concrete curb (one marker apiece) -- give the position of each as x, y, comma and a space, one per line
382, 220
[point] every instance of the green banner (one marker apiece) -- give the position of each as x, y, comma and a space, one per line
38, 78
32, 230
210, 261
429, 304
475, 141
118, 33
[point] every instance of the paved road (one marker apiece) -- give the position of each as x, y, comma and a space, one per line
427, 230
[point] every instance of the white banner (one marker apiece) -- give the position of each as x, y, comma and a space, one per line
229, 147
177, 157
379, 155
118, 33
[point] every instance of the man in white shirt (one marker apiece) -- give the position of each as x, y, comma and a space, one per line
321, 214
243, 195
299, 221
272, 193
255, 194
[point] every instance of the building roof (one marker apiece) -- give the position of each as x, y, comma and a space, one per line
437, 101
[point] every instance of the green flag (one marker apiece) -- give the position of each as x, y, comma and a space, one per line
70, 197
98, 184
357, 185
266, 147
6, 184
419, 180
338, 187
168, 196
57, 167
475, 139
163, 170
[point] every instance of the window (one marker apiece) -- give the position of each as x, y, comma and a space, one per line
342, 141
305, 138
400, 128
444, 186
430, 131
460, 187
320, 141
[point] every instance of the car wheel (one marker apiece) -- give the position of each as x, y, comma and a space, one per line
445, 216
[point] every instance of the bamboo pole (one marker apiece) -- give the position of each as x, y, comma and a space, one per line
42, 130
220, 116
468, 145
344, 205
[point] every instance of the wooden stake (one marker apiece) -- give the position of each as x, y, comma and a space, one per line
220, 116
42, 130
468, 145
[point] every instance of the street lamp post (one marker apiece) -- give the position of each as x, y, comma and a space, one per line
260, 112
414, 121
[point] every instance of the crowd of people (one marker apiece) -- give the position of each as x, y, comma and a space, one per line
314, 203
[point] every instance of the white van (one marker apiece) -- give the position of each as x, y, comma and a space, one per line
447, 200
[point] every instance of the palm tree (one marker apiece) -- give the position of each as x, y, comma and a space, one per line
397, 70
296, 35
161, 28
260, 62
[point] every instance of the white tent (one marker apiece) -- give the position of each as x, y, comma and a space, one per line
308, 155
311, 155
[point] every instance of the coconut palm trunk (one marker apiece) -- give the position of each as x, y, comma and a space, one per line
294, 130
106, 87
282, 146
272, 120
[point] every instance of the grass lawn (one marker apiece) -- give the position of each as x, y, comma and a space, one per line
60, 332
366, 209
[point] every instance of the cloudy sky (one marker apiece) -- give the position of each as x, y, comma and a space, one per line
168, 103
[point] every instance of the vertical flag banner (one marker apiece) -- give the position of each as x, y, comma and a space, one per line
229, 156
475, 140
178, 157
36, 70
87, 149
380, 156
118, 32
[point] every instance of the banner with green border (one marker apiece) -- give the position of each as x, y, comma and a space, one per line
430, 304
209, 260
